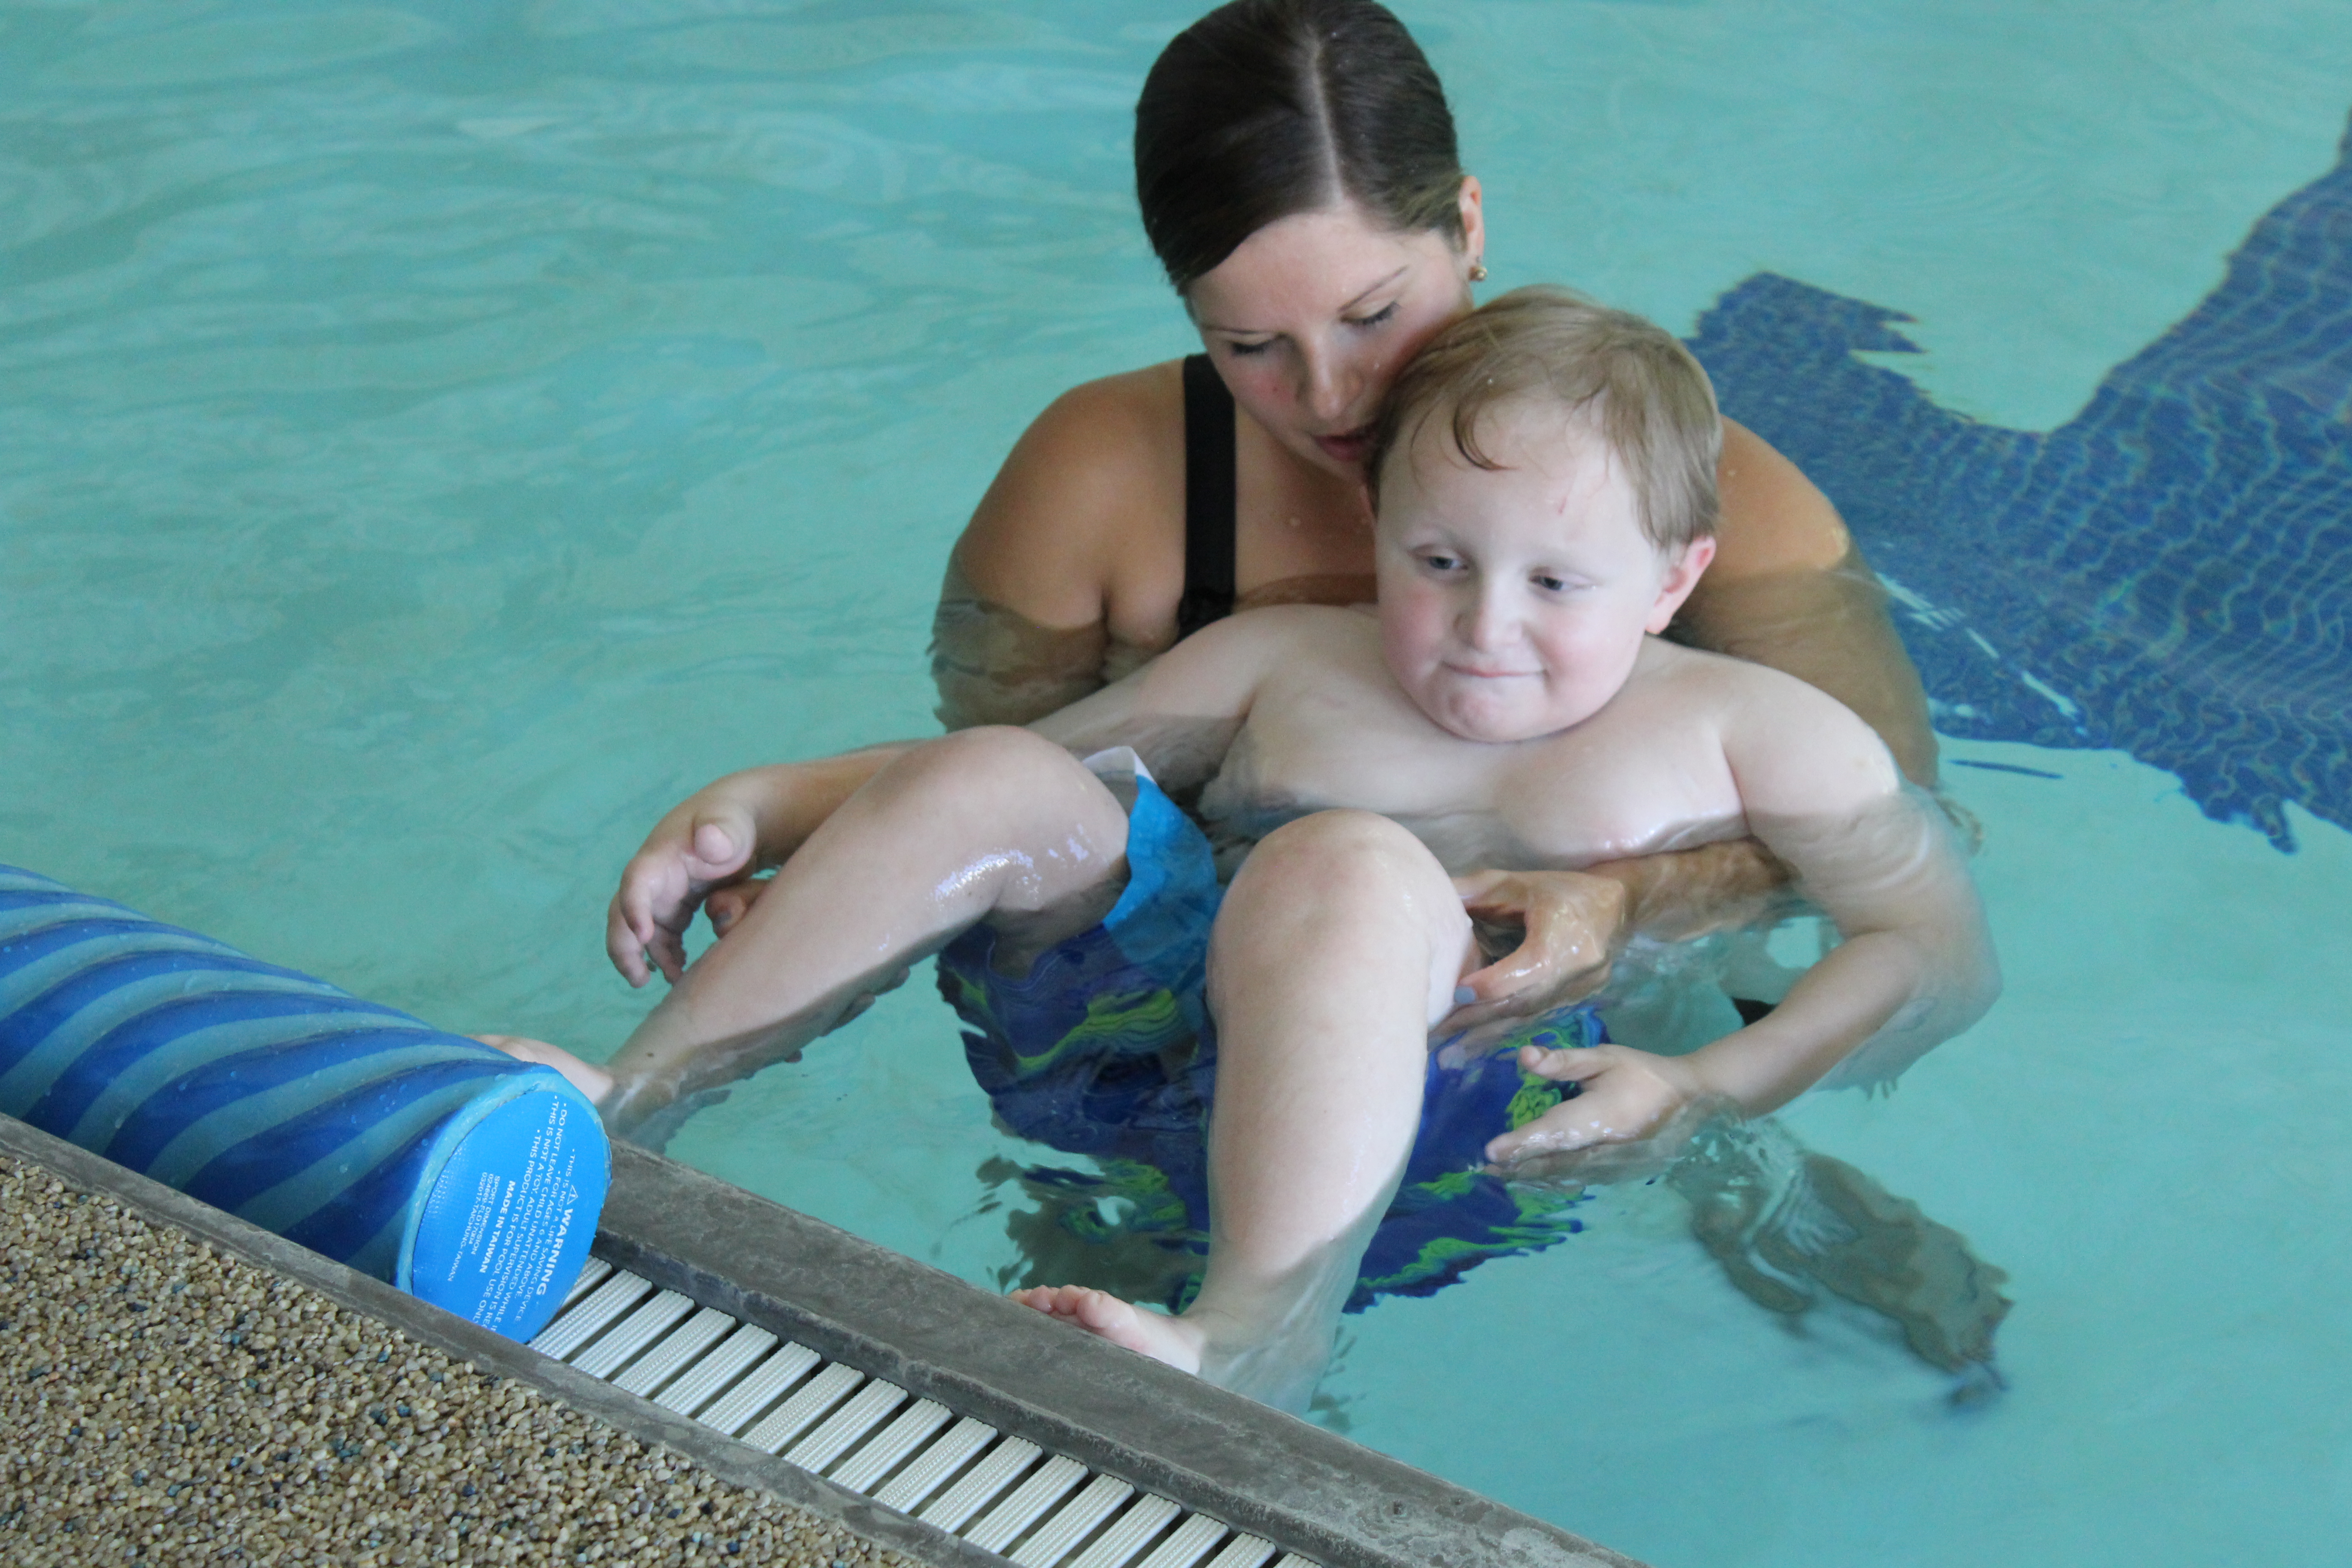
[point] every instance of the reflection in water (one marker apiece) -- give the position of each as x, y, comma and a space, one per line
1786, 1224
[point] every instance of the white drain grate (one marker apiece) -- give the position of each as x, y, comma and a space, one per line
1004, 1493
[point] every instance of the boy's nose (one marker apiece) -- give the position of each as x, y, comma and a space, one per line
1485, 623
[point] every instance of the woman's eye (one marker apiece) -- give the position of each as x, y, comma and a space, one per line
1242, 351
1377, 316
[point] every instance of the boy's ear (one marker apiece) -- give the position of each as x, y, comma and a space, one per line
1681, 575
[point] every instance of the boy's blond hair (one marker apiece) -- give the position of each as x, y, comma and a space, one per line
1650, 399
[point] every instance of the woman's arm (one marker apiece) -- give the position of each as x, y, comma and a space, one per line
1068, 574
1789, 589
1576, 922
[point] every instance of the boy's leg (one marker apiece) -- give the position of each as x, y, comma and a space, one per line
1336, 951
990, 823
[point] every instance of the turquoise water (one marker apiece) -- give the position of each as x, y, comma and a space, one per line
435, 439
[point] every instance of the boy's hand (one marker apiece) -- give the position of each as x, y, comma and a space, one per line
1574, 922
1629, 1096
694, 847
731, 902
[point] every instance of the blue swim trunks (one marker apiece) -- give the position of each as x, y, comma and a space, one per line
1106, 1048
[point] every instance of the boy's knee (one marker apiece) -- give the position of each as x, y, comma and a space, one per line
1337, 855
987, 753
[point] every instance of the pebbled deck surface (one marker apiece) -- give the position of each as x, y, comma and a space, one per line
162, 1402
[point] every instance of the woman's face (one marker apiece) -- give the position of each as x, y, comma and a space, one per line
1311, 317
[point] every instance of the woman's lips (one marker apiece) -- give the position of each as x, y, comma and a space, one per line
1349, 447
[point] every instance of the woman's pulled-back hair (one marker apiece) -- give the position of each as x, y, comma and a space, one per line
1645, 395
1263, 108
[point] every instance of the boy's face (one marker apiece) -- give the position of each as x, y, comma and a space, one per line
1514, 600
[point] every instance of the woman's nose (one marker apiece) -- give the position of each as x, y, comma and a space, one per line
1328, 385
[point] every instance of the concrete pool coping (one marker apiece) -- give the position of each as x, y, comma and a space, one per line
1307, 1490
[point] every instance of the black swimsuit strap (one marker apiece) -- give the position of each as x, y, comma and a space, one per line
1209, 511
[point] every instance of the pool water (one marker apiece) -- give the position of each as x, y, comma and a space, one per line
436, 438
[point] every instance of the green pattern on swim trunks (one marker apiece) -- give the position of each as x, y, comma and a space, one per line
1137, 1023
1536, 1095
1116, 1024
1543, 1218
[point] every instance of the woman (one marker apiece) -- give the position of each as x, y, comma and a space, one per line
1296, 168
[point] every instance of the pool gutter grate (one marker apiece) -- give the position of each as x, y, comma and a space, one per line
628, 1331
922, 1413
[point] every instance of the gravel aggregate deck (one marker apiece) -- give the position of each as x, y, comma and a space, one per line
161, 1403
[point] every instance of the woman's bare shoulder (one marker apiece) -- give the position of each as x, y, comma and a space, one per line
1090, 498
1774, 519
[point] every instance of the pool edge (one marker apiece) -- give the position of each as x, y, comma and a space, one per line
1310, 1490
1307, 1490
489, 1352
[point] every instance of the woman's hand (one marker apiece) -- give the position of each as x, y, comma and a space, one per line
1629, 1096
1575, 923
703, 844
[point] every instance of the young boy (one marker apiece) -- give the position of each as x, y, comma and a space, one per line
1544, 478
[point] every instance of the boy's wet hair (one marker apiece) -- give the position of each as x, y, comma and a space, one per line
1646, 394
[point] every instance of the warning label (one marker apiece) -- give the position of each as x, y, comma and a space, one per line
506, 1228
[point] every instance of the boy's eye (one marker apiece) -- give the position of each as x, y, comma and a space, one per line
1377, 316
1438, 561
1549, 584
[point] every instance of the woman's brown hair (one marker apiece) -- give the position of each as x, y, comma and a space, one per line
1263, 108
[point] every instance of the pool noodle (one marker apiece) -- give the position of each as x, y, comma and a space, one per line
460, 1174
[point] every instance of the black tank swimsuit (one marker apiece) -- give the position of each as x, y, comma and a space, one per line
1209, 504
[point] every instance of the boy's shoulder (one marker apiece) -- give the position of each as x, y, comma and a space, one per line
1789, 744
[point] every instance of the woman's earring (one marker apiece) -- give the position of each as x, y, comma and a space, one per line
1478, 273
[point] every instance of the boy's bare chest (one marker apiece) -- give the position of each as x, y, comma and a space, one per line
1327, 738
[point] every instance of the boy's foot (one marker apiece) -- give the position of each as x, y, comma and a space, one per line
593, 1082
1155, 1334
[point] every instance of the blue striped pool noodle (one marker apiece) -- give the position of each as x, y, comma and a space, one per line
453, 1170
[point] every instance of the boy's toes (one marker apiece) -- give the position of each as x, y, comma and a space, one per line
593, 1082
1155, 1334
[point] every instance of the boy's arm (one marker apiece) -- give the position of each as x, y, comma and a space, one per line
722, 833
1181, 711
1916, 964
1916, 967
